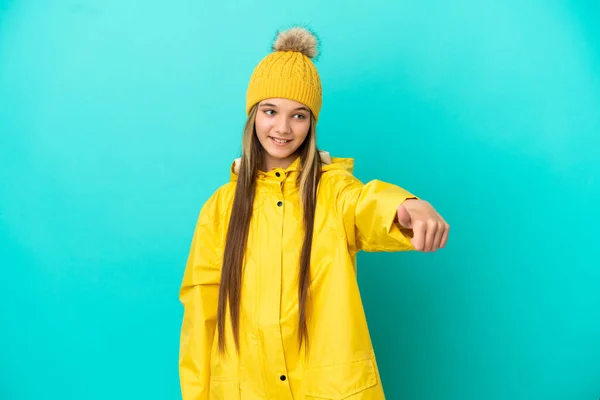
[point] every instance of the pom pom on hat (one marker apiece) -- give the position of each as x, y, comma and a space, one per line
297, 39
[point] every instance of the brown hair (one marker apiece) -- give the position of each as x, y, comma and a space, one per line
239, 224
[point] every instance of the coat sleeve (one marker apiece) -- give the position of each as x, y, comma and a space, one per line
199, 296
369, 213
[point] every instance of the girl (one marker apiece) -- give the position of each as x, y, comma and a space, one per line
272, 308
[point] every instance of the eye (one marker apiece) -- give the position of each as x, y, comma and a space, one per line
268, 112
300, 116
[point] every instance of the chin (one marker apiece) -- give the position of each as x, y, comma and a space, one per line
279, 153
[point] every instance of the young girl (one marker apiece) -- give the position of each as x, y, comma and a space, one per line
272, 308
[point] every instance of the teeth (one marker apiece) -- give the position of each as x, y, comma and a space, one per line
280, 141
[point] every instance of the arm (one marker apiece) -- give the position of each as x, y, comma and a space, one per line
380, 216
199, 296
369, 212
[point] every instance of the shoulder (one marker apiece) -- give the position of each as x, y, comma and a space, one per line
338, 186
335, 181
338, 175
226, 191
219, 201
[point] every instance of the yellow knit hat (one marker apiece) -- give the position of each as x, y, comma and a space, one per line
288, 72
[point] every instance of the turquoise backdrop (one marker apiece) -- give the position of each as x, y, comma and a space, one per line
118, 119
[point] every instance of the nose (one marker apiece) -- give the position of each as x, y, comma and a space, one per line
283, 126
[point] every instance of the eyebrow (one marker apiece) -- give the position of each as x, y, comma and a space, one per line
273, 105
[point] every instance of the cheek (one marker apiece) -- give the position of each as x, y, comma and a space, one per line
262, 126
303, 131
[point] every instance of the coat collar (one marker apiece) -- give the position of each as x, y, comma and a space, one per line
295, 166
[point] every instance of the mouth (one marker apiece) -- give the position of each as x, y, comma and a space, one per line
278, 141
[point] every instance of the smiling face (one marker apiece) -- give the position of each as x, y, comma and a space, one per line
281, 127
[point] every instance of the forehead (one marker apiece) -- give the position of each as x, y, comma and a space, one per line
283, 103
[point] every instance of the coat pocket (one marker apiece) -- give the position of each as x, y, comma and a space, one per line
337, 382
224, 389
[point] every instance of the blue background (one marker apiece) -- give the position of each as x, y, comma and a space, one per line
119, 118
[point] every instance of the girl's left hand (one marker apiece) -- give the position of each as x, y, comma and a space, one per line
430, 231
